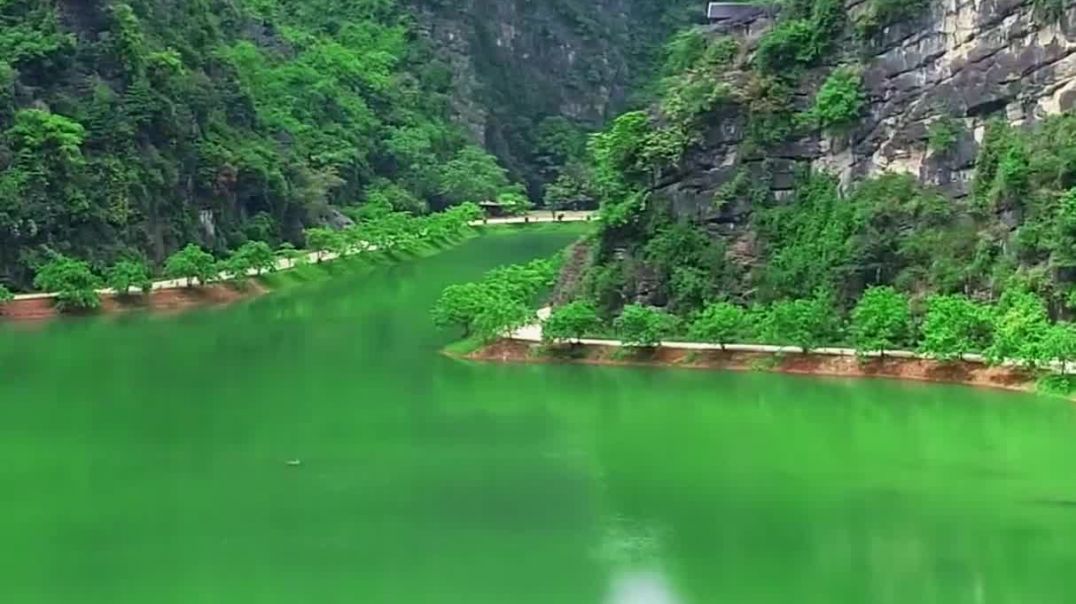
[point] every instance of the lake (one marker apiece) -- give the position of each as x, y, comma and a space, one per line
145, 459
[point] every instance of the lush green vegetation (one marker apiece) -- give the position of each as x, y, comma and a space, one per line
641, 326
502, 301
378, 231
571, 322
73, 282
840, 100
131, 128
129, 274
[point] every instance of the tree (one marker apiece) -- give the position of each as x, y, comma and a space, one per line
954, 326
571, 321
473, 175
287, 251
880, 320
719, 323
236, 265
1059, 344
1020, 324
125, 274
458, 306
72, 281
643, 326
500, 314
322, 240
190, 263
257, 256
805, 323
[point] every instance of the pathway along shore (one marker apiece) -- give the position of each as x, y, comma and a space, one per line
525, 345
175, 294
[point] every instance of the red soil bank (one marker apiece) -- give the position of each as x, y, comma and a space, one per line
972, 374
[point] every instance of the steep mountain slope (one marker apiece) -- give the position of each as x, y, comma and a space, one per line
926, 144
132, 127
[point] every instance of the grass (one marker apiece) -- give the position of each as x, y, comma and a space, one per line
464, 347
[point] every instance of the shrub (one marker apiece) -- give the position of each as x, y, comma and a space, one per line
643, 326
1020, 325
880, 320
805, 323
719, 323
127, 274
943, 134
840, 100
572, 321
5, 295
190, 263
72, 281
954, 326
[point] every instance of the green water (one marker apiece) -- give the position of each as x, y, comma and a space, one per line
143, 461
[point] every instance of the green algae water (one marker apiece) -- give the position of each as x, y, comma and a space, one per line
146, 460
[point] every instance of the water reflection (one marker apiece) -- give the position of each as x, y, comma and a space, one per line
633, 549
642, 586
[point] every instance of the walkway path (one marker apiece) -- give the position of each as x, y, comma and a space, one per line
533, 333
284, 264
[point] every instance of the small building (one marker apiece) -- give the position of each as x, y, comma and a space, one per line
735, 15
493, 209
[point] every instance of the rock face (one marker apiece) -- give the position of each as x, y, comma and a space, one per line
969, 59
966, 61
516, 62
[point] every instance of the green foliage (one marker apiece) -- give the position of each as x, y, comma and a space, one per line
500, 302
514, 201
571, 321
615, 155
570, 190
252, 255
1001, 170
643, 326
459, 306
692, 266
943, 134
262, 112
127, 274
806, 241
879, 14
5, 295
190, 263
806, 32
881, 320
806, 322
323, 240
840, 101
1059, 344
473, 175
73, 282
1020, 326
719, 323
954, 326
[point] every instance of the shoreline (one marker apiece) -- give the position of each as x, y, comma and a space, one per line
163, 300
173, 295
965, 373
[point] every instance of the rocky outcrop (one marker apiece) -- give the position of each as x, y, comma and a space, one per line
969, 59
966, 61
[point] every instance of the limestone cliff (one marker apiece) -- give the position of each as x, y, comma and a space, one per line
966, 60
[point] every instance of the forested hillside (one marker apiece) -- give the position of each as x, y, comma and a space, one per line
131, 128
